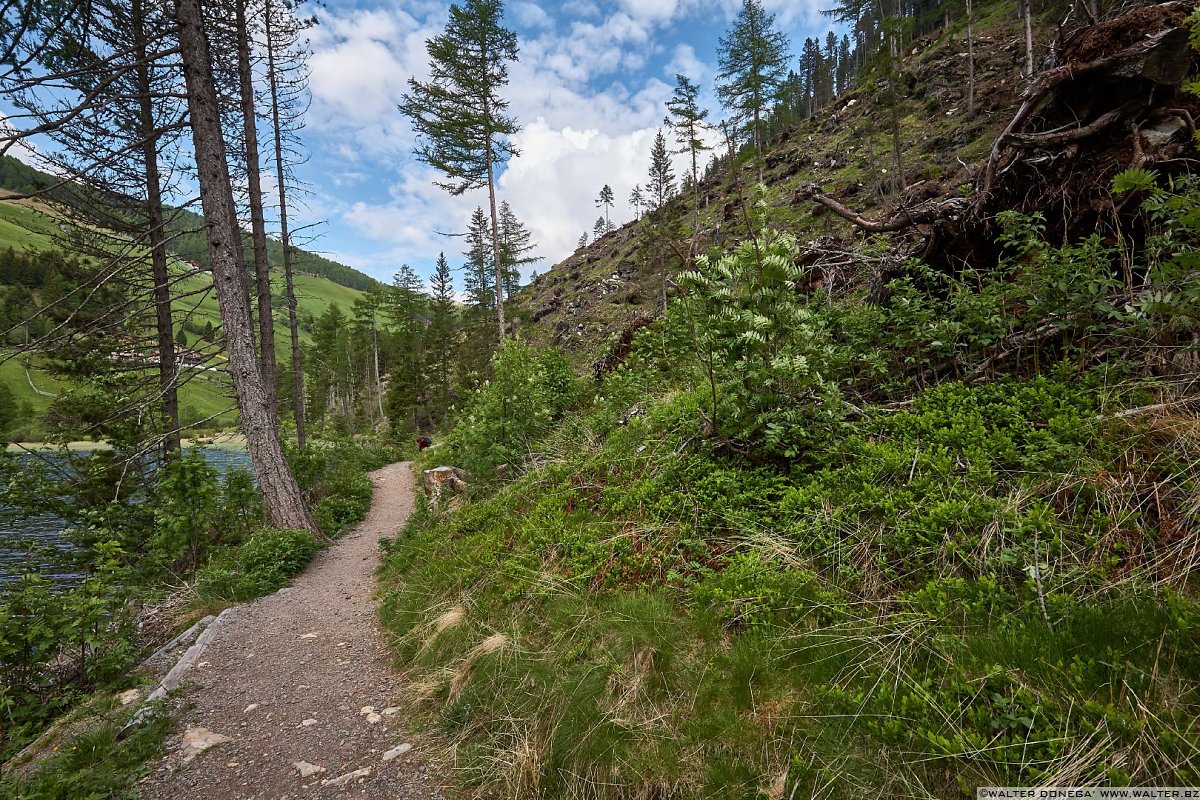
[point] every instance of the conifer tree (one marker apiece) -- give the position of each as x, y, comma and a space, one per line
443, 334
459, 115
687, 121
479, 277
516, 244
406, 308
605, 200
636, 200
661, 185
281, 493
752, 58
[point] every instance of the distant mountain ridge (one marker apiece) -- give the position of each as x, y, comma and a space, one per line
187, 240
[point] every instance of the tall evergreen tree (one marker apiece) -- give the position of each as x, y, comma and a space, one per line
516, 245
661, 185
443, 335
406, 307
459, 115
605, 200
636, 200
752, 59
687, 121
479, 276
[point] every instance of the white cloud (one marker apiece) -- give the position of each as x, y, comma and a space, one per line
530, 15
589, 88
685, 62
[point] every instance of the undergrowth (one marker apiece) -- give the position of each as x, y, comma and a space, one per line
59, 643
95, 764
815, 546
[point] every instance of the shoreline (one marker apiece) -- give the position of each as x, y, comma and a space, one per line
233, 442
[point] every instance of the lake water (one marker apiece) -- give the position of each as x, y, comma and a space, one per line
45, 530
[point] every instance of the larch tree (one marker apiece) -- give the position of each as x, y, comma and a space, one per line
605, 200
752, 61
258, 227
460, 117
102, 87
286, 83
281, 494
687, 121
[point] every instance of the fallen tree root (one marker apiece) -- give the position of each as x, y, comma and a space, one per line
1042, 88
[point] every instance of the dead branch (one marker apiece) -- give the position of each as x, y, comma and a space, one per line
1060, 137
906, 217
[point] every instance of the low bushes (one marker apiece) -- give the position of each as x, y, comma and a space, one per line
937, 601
266, 561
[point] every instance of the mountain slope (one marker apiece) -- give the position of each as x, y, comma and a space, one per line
901, 514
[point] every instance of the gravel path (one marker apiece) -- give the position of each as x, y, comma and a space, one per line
301, 685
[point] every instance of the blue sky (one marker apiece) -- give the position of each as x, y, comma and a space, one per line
589, 90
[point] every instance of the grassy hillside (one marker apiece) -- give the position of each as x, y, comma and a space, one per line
31, 225
848, 514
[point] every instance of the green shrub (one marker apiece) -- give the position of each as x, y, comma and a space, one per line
266, 561
528, 392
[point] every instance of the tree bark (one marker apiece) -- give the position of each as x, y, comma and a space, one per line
499, 267
285, 236
1026, 8
970, 60
281, 494
167, 378
258, 228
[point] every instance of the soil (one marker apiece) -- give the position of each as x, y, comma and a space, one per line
289, 680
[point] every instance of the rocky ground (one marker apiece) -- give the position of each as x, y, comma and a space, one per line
296, 697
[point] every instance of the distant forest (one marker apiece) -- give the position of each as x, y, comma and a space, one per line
187, 240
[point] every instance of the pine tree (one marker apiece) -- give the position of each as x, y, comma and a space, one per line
516, 244
443, 334
605, 200
583, 240
845, 67
599, 229
479, 275
406, 307
752, 59
687, 121
459, 115
661, 185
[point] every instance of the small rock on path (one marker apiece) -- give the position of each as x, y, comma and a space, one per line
314, 653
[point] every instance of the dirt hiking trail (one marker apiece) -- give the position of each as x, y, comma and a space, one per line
297, 690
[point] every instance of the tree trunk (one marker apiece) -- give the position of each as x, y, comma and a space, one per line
970, 61
1026, 8
496, 244
258, 228
378, 377
897, 150
167, 378
281, 494
285, 236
